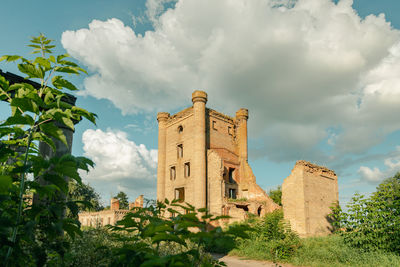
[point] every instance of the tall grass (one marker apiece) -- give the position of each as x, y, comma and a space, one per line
332, 251
319, 252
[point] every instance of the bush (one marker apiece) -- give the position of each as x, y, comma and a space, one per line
373, 223
270, 239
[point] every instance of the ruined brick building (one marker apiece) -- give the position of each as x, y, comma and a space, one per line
108, 216
307, 195
202, 160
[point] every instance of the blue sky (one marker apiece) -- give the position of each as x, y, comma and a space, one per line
318, 77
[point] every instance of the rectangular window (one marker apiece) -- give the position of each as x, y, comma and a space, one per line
231, 171
187, 169
232, 193
180, 194
172, 173
180, 151
109, 220
229, 130
214, 125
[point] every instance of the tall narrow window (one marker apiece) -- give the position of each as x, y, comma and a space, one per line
180, 151
214, 125
180, 194
187, 169
172, 173
232, 193
231, 171
229, 130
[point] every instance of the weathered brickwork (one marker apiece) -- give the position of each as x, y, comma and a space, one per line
108, 217
202, 160
307, 195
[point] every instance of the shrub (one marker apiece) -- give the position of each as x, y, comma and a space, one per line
373, 223
270, 238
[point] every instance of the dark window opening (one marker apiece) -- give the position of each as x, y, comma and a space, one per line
259, 211
229, 130
180, 128
180, 194
232, 193
231, 180
180, 151
214, 125
109, 220
187, 169
243, 207
172, 173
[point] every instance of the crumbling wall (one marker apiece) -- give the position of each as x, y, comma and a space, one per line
307, 195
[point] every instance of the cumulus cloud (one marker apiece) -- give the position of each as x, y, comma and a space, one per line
302, 68
120, 163
392, 164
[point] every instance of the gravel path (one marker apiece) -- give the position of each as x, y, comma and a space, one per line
232, 261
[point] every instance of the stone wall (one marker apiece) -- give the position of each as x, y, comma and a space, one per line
307, 195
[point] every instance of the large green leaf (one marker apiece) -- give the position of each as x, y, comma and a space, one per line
44, 62
10, 58
82, 112
59, 83
57, 180
44, 138
25, 104
5, 183
19, 119
51, 130
4, 83
71, 70
31, 70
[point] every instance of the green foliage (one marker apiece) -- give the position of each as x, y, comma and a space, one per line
276, 195
123, 200
92, 249
151, 239
86, 194
373, 223
333, 251
32, 221
271, 238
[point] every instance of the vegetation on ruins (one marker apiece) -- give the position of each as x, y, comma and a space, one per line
123, 200
276, 195
32, 220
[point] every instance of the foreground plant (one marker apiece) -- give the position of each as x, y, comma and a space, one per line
31, 228
151, 239
270, 239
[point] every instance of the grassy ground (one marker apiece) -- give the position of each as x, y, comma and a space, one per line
322, 251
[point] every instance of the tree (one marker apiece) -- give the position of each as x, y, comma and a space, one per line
86, 193
276, 195
374, 223
123, 200
32, 233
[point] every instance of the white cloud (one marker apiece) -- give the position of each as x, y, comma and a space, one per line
392, 164
120, 163
301, 68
